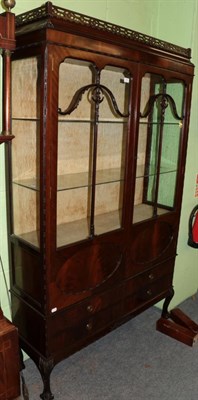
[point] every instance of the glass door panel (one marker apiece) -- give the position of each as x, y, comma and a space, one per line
158, 146
111, 148
92, 127
25, 149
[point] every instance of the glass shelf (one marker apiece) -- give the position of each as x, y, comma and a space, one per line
87, 120
25, 119
168, 123
71, 181
30, 183
83, 179
78, 180
140, 172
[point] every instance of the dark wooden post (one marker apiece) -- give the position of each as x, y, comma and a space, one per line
7, 44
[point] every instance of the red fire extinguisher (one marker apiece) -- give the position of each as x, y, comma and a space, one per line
193, 228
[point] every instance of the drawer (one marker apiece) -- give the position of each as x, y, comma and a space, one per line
143, 289
105, 299
71, 329
147, 295
93, 303
81, 320
149, 277
74, 326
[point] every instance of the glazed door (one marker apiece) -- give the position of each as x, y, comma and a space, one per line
161, 123
160, 161
93, 118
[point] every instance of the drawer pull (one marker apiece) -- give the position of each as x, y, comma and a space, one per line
149, 292
151, 276
90, 308
89, 326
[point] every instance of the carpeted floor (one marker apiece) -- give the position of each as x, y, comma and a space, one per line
133, 362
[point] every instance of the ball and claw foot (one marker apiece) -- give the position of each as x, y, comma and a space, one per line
47, 396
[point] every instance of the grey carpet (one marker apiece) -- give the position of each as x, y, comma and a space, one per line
133, 362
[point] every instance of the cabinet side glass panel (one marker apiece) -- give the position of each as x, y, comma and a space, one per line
91, 149
25, 149
158, 146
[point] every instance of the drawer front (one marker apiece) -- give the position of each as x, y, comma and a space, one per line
77, 323
149, 277
147, 295
73, 327
71, 330
104, 300
148, 287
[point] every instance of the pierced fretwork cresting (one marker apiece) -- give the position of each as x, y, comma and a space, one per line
162, 100
98, 93
49, 11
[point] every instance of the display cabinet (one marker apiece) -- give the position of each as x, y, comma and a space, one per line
100, 115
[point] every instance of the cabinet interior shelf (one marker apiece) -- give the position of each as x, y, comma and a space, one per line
152, 170
77, 180
75, 231
74, 120
165, 123
24, 119
83, 179
88, 120
102, 120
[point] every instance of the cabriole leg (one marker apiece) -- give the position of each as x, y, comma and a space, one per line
45, 368
165, 312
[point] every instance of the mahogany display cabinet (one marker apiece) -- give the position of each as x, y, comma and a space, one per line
100, 115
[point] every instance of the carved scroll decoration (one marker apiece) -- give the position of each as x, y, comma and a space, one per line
98, 94
164, 100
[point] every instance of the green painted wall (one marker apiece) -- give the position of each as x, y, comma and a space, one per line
175, 21
178, 23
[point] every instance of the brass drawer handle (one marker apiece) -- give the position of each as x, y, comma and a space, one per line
149, 292
151, 276
89, 326
90, 308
